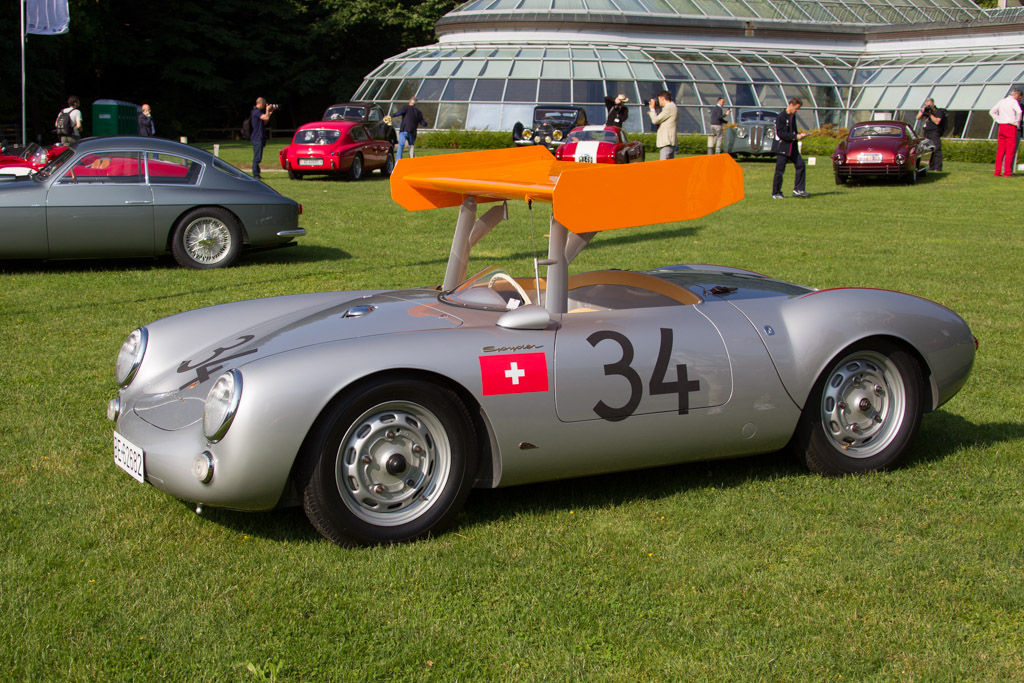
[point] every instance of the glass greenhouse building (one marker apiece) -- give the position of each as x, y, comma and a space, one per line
848, 60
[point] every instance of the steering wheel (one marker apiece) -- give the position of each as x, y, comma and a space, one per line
515, 285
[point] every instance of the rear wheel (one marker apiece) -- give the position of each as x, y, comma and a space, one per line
863, 412
293, 175
207, 237
355, 171
390, 463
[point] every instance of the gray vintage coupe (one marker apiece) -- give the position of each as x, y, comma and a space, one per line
134, 196
378, 411
753, 133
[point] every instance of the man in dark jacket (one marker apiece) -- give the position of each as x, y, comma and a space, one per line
934, 127
259, 119
146, 127
618, 112
786, 147
717, 119
412, 118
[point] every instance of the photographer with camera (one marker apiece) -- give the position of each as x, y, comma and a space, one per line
1007, 113
259, 131
934, 127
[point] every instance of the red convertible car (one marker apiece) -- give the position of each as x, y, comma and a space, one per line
336, 147
600, 145
881, 148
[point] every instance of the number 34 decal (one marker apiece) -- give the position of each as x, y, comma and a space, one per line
659, 384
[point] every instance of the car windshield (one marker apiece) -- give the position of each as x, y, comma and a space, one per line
345, 114
758, 115
873, 131
54, 164
593, 136
317, 136
492, 289
556, 115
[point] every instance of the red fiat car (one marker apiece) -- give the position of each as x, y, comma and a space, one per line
881, 148
336, 147
600, 145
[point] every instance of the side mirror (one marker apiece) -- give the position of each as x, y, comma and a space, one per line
530, 317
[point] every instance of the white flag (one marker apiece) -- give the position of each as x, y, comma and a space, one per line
46, 17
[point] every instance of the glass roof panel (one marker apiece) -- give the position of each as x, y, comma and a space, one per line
645, 71
733, 73
525, 69
866, 98
1008, 73
497, 68
488, 90
761, 74
748, 58
789, 74
915, 97
617, 70
586, 70
661, 56
904, 76
957, 74
555, 69
983, 74
965, 97
674, 70
931, 75
704, 72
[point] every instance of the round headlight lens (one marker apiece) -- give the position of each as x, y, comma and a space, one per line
129, 358
741, 132
527, 134
557, 135
547, 138
221, 405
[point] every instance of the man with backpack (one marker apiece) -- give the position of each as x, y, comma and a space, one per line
257, 122
69, 122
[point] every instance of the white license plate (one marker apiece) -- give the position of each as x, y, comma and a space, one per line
129, 457
311, 162
586, 159
870, 159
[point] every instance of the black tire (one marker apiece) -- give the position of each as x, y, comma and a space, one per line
355, 171
389, 165
292, 175
206, 237
864, 411
517, 131
389, 463
911, 177
839, 179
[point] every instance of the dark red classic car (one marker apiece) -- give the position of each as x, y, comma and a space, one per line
600, 145
336, 147
881, 148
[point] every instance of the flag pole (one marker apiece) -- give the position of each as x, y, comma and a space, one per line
21, 6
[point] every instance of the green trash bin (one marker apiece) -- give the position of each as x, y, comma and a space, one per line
114, 117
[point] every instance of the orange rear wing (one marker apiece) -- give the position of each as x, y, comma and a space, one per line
585, 198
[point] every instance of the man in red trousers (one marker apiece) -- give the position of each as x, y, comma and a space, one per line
1007, 114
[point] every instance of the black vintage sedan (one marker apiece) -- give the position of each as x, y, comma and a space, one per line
135, 196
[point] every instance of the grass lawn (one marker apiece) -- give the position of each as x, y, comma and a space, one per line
747, 569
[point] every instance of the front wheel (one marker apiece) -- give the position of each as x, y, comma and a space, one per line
839, 179
863, 412
389, 165
207, 237
389, 463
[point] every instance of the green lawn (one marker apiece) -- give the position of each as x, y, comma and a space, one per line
746, 569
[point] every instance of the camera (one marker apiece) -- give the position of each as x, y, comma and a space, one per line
273, 107
928, 110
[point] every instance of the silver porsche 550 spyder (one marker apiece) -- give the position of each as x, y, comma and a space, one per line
378, 411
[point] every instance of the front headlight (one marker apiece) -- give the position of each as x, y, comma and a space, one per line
557, 135
741, 132
129, 358
527, 133
770, 133
221, 405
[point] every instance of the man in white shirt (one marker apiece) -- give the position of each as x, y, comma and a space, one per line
1007, 113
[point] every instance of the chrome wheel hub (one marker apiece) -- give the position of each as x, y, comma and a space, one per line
207, 240
863, 404
393, 460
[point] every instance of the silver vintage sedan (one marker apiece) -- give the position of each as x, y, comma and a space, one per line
378, 411
135, 196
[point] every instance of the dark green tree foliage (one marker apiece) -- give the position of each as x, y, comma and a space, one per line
201, 65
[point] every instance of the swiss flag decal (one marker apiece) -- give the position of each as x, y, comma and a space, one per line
514, 373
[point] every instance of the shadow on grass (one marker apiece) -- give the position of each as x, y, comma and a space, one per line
296, 254
942, 435
368, 176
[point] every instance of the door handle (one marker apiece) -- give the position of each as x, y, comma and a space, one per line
140, 201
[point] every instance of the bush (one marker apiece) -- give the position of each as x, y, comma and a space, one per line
820, 143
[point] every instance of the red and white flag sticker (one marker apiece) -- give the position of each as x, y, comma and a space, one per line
514, 373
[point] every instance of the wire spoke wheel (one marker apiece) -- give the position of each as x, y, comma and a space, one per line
207, 240
206, 237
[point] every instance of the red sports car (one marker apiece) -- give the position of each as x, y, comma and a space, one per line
24, 160
600, 145
334, 147
881, 148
